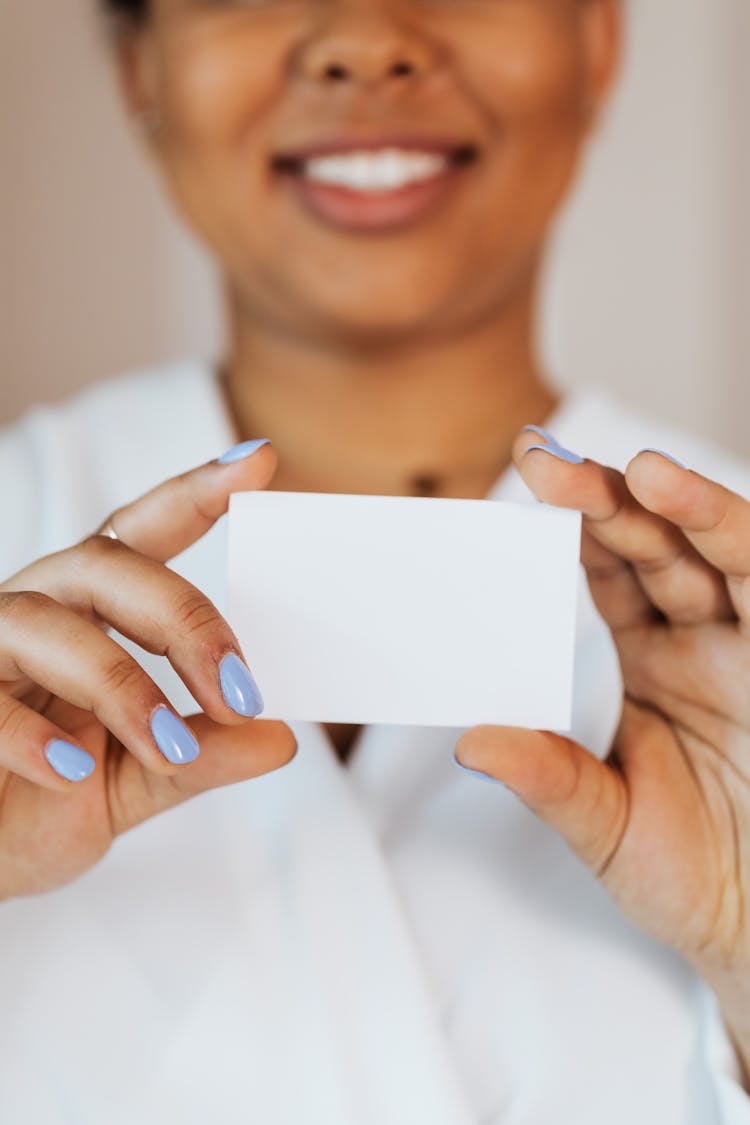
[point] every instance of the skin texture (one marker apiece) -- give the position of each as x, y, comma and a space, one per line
375, 362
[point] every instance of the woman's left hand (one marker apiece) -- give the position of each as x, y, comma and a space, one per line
665, 821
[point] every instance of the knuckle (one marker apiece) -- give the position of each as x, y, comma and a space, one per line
96, 549
194, 613
22, 606
186, 487
603, 572
122, 673
654, 565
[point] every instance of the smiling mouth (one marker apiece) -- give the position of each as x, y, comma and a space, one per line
376, 171
374, 186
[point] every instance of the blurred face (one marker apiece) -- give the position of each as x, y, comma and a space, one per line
372, 168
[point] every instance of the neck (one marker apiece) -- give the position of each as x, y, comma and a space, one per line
435, 417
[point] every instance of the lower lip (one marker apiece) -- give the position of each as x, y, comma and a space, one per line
347, 209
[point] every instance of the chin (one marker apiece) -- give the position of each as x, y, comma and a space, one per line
375, 307
376, 297
375, 324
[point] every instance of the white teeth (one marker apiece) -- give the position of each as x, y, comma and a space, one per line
381, 171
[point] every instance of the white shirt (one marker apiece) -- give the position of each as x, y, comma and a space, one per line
390, 942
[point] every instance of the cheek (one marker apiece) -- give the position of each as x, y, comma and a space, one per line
221, 84
526, 70
529, 81
217, 81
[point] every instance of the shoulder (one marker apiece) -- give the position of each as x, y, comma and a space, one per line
599, 426
64, 466
137, 417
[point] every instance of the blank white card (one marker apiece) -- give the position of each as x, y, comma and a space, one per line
379, 609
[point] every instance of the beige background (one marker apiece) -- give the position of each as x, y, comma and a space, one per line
648, 287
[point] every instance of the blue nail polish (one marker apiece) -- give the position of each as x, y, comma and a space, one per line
668, 456
241, 451
176, 741
541, 433
560, 452
238, 687
479, 774
68, 760
553, 446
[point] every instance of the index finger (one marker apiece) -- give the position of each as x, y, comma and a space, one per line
637, 551
172, 516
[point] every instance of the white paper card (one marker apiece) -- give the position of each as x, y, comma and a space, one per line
426, 612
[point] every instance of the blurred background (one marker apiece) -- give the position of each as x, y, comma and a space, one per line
649, 280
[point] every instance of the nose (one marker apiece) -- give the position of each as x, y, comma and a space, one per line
364, 44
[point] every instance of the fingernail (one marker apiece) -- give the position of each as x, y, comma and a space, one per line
560, 452
241, 451
541, 433
553, 446
667, 455
479, 774
176, 741
68, 760
238, 687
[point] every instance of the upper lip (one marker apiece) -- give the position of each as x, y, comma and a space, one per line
294, 155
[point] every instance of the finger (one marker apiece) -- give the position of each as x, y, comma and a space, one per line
614, 586
178, 512
74, 660
714, 519
230, 755
159, 610
584, 799
669, 571
33, 747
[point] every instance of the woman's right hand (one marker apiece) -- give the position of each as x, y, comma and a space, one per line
73, 702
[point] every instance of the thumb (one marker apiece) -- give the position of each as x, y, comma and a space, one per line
172, 516
228, 755
584, 799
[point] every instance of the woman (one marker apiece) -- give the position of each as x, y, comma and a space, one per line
367, 934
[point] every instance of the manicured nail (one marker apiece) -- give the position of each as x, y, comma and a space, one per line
553, 446
479, 774
667, 455
238, 687
241, 451
176, 741
541, 433
69, 761
560, 452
